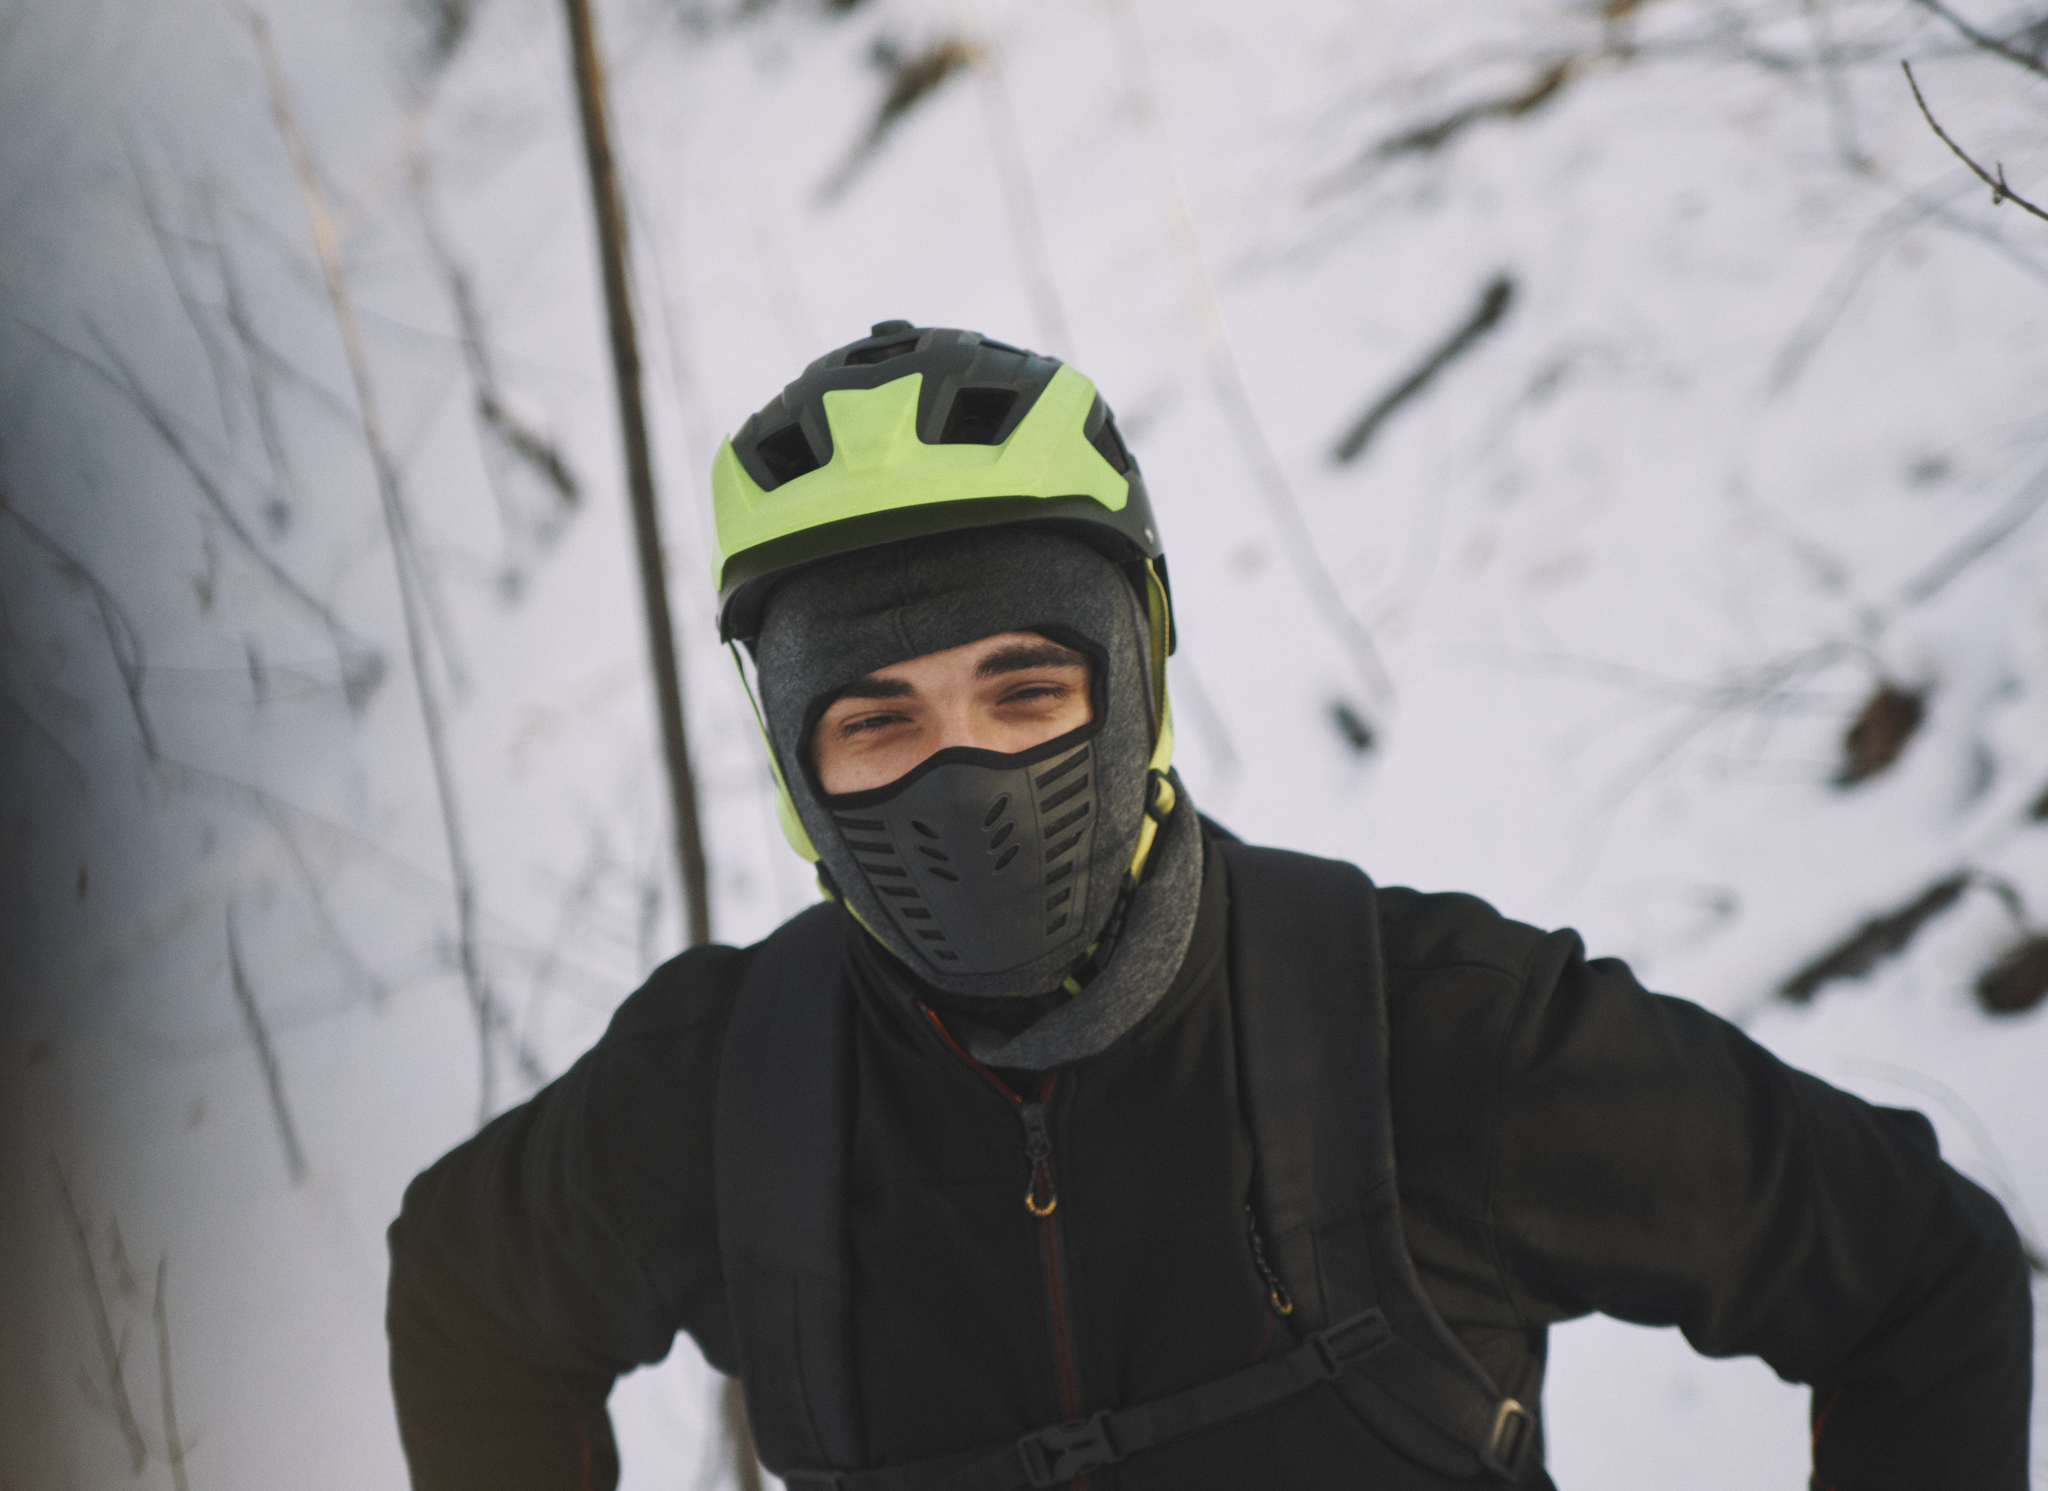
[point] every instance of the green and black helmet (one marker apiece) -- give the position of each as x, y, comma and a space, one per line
913, 431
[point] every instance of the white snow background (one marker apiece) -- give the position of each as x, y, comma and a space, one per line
1631, 566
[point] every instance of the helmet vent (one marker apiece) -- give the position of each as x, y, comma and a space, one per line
1007, 855
1110, 445
787, 454
861, 357
976, 416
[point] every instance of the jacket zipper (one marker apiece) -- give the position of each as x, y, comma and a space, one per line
1041, 1199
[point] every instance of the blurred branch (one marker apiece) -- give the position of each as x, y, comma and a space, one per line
398, 530
1493, 303
174, 1441
216, 359
912, 79
103, 1328
266, 1055
259, 362
1841, 103
2000, 526
1014, 173
2000, 192
1876, 941
1205, 310
362, 666
506, 439
124, 638
1988, 42
609, 211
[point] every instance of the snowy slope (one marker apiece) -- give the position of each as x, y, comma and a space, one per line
1629, 569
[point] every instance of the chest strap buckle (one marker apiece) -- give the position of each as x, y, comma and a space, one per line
1057, 1455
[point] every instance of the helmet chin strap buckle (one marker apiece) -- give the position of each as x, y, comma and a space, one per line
1160, 798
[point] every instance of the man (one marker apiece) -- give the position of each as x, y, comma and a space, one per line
1071, 1142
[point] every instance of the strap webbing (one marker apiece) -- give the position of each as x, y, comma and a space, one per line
1056, 1455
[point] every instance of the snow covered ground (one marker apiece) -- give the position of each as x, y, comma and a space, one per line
1770, 364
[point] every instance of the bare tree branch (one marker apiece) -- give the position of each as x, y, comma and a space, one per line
1205, 310
103, 1328
362, 666
609, 218
174, 1441
195, 313
1989, 43
506, 439
1494, 301
2000, 192
1877, 940
2024, 504
398, 530
1021, 202
259, 362
266, 1055
912, 79
124, 638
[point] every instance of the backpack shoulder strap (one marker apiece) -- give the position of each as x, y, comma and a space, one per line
1308, 990
781, 1141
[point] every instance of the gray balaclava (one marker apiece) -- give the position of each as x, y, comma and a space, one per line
838, 621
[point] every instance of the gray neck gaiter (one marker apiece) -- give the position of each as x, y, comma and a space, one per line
837, 622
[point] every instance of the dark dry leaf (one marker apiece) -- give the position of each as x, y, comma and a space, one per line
1876, 940
1881, 732
1433, 136
1352, 726
1493, 303
912, 79
2018, 981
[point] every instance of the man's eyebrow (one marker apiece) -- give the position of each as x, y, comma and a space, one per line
1026, 655
876, 688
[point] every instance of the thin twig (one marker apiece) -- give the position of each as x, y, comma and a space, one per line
266, 1055
103, 1328
1021, 202
216, 359
2000, 526
124, 638
174, 1441
327, 246
1841, 103
1987, 42
258, 361
502, 433
1206, 310
911, 80
1493, 303
362, 666
2000, 192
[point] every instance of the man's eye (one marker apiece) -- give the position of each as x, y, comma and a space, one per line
1030, 692
867, 722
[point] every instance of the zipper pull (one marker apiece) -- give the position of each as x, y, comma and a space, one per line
1040, 1199
1277, 1291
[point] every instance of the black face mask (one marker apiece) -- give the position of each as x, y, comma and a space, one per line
839, 622
981, 859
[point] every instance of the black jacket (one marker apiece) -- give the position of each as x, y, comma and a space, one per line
1566, 1143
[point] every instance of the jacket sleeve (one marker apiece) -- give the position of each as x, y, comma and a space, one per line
565, 1244
1653, 1163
